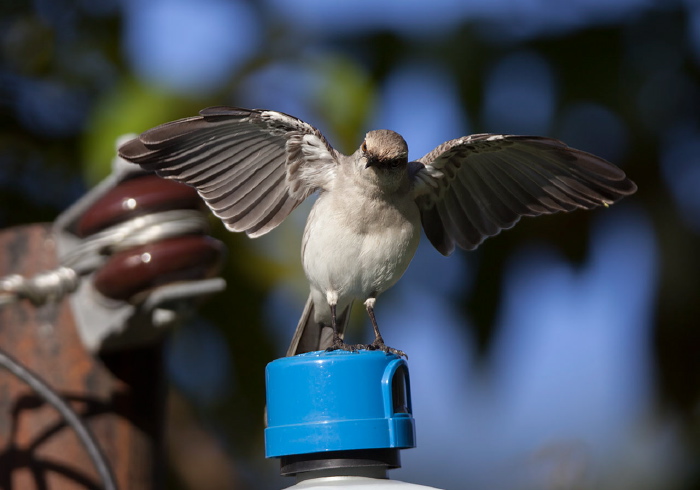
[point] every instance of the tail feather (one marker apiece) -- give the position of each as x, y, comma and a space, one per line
311, 336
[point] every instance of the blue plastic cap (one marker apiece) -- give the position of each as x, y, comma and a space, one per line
335, 401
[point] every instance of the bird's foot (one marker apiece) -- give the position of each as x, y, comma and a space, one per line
339, 344
379, 344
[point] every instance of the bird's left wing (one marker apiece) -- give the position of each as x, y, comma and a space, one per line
471, 188
252, 167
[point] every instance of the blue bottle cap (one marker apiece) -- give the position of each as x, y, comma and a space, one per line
337, 401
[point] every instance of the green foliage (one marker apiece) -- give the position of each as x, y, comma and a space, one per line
345, 100
129, 108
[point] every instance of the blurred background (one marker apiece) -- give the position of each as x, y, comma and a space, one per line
562, 354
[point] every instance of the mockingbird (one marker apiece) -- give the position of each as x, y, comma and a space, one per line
252, 167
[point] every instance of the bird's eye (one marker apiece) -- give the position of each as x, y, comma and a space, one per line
395, 163
364, 147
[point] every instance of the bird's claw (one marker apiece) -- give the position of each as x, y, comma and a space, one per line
339, 344
388, 350
379, 344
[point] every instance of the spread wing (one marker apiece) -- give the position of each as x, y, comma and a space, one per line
471, 188
252, 167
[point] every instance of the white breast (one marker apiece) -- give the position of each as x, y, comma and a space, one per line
355, 247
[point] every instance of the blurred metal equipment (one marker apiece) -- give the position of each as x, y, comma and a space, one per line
85, 303
338, 419
140, 242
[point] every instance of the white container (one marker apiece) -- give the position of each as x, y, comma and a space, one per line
353, 478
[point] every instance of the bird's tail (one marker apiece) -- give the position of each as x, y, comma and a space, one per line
311, 336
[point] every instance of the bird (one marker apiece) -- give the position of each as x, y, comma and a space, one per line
253, 167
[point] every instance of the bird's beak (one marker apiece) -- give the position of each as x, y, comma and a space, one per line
371, 162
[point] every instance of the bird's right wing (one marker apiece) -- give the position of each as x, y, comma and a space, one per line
471, 188
252, 167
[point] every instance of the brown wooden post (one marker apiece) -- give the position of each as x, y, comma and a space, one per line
119, 396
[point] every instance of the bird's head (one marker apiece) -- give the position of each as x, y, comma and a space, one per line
384, 150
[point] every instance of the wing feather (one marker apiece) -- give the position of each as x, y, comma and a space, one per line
435, 230
459, 225
473, 187
252, 167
